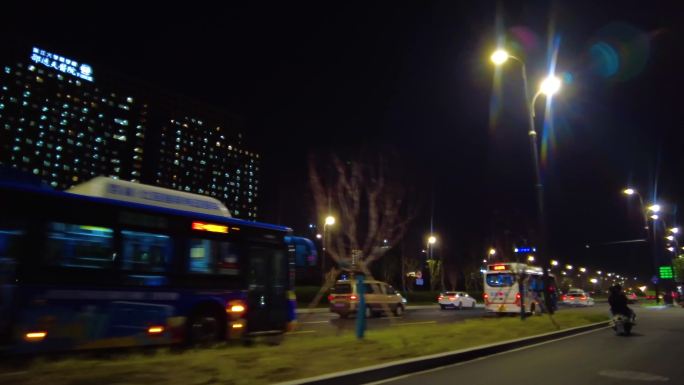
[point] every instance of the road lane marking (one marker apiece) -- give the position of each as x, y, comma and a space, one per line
414, 323
632, 375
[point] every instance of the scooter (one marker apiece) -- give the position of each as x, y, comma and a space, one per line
622, 324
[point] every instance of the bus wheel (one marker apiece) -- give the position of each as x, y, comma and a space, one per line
205, 327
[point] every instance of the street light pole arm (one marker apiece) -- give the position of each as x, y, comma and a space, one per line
532, 113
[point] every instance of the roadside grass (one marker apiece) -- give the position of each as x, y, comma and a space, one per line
299, 356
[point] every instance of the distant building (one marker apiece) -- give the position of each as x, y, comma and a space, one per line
60, 125
65, 122
204, 155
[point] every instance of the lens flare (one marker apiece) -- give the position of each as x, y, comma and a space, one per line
620, 51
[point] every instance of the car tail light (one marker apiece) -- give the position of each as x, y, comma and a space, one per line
155, 330
35, 336
517, 299
441, 297
572, 297
486, 298
564, 297
452, 298
353, 297
583, 298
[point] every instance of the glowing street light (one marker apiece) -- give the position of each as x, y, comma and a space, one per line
629, 191
655, 208
671, 248
670, 238
569, 267
599, 272
550, 85
530, 258
329, 221
593, 280
654, 217
432, 240
499, 56
582, 269
554, 262
492, 251
319, 236
674, 230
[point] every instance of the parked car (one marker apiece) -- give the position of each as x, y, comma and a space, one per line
577, 297
379, 296
455, 300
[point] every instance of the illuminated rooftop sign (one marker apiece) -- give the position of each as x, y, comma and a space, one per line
62, 64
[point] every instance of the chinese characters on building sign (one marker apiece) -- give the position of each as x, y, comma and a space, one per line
62, 64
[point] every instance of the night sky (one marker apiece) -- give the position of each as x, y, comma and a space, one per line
324, 77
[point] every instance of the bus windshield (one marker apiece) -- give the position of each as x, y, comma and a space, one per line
500, 279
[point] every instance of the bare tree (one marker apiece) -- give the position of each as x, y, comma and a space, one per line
370, 204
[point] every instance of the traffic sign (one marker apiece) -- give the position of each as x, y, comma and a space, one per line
665, 272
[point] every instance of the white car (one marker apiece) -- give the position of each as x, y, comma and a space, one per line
455, 299
577, 297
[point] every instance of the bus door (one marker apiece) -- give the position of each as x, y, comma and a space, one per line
267, 279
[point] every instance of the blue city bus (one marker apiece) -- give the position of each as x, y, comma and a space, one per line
136, 265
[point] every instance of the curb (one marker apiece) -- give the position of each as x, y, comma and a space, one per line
419, 364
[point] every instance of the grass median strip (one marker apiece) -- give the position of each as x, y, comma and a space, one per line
299, 356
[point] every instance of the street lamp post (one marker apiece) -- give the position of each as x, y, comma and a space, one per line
629, 192
432, 239
329, 221
548, 87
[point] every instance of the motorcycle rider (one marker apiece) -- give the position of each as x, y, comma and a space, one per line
618, 302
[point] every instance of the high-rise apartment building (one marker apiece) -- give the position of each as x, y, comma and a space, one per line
65, 122
57, 123
204, 155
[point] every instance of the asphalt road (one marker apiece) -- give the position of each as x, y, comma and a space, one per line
326, 322
652, 355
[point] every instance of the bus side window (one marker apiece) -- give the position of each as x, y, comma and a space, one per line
213, 257
79, 246
10, 251
10, 237
145, 251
